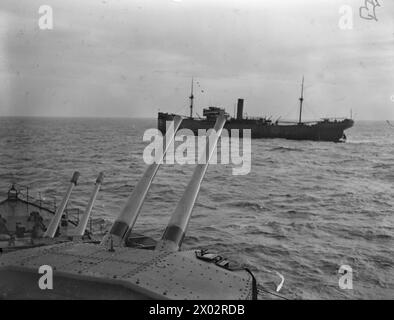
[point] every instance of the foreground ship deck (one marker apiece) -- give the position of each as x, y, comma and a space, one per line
88, 271
125, 265
24, 220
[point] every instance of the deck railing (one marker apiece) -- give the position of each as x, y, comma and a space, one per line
72, 214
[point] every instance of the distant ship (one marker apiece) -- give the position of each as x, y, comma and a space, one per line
326, 129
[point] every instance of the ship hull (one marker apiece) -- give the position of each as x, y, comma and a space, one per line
320, 131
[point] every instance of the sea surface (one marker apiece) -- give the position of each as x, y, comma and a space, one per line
305, 209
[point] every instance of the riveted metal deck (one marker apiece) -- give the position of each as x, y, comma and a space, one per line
147, 273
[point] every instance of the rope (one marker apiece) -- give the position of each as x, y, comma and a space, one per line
254, 284
256, 289
260, 288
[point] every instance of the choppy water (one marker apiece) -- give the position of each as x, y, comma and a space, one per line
305, 209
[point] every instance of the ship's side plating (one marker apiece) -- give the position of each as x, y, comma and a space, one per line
260, 128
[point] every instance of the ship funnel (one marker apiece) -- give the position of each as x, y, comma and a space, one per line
176, 229
126, 220
80, 230
51, 231
240, 109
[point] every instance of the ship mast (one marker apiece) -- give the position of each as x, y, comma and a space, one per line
191, 100
301, 99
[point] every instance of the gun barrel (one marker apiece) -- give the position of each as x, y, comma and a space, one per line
51, 230
80, 230
129, 214
177, 226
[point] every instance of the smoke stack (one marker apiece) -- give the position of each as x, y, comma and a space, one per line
240, 109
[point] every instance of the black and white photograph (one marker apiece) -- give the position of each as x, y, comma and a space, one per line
203, 150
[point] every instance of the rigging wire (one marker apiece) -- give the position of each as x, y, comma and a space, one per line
261, 289
185, 108
310, 110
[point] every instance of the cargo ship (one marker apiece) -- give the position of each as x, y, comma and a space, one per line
325, 129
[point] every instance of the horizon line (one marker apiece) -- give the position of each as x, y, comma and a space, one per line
131, 117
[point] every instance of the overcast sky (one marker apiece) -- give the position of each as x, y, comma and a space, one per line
130, 58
